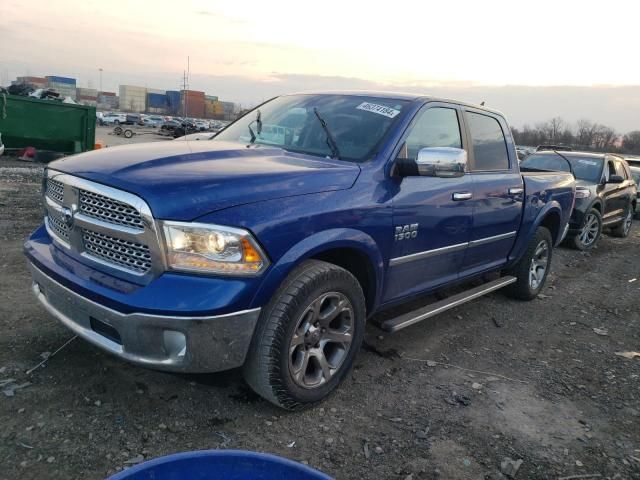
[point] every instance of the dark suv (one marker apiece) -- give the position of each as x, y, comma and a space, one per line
606, 193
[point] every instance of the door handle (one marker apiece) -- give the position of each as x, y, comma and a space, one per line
516, 191
459, 196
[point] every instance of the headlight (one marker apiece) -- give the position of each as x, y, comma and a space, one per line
582, 192
199, 247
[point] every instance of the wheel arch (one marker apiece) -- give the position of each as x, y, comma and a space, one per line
351, 249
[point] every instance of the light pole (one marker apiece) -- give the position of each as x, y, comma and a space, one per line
100, 83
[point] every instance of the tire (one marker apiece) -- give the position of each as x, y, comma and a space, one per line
283, 363
128, 133
117, 130
539, 250
623, 230
590, 232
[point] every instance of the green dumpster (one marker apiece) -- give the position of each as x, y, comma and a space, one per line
46, 124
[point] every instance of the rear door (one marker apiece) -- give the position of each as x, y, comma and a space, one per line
431, 216
498, 192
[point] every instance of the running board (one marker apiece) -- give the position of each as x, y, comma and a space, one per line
403, 321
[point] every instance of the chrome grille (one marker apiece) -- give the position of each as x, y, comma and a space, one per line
55, 190
109, 210
102, 226
57, 224
130, 255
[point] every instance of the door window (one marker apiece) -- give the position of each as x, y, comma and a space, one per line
620, 170
434, 127
489, 145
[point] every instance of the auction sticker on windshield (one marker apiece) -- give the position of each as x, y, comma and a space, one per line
379, 109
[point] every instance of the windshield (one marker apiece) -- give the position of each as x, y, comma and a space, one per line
356, 123
584, 168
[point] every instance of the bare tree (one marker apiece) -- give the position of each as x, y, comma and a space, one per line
631, 142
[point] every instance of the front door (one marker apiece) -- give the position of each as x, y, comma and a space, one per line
431, 216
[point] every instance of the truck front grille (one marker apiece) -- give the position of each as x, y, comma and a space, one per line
55, 190
109, 210
57, 224
102, 226
130, 255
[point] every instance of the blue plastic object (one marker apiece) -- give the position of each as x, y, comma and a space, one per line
219, 465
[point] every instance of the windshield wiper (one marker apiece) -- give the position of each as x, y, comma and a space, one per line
258, 121
331, 142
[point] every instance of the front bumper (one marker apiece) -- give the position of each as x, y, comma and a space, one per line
173, 343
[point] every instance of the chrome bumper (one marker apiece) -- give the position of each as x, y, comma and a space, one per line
181, 344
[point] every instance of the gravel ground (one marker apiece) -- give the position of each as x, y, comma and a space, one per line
538, 382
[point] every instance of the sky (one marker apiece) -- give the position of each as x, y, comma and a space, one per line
532, 60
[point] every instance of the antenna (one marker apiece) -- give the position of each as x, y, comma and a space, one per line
185, 86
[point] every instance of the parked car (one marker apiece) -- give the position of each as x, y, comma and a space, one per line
202, 125
606, 193
133, 119
635, 173
153, 121
269, 251
557, 148
113, 119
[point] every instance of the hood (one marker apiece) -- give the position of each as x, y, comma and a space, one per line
183, 180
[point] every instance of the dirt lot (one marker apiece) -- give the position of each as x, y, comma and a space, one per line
555, 395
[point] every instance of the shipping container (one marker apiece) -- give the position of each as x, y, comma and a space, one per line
133, 98
65, 80
106, 94
40, 82
157, 100
173, 100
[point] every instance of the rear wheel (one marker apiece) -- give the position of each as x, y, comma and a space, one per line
307, 336
590, 232
532, 269
624, 228
117, 130
128, 133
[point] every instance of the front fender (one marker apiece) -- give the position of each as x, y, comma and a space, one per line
314, 245
534, 215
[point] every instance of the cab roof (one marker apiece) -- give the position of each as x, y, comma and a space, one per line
412, 97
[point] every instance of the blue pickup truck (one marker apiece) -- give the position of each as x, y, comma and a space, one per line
269, 246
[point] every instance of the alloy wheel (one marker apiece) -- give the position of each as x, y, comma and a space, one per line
589, 232
321, 340
539, 265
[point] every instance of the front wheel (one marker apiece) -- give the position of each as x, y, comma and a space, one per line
590, 233
307, 336
532, 269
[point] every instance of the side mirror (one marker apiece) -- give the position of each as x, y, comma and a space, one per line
433, 162
441, 162
615, 179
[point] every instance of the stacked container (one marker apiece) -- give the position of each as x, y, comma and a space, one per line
38, 82
108, 100
192, 103
133, 98
87, 96
157, 102
174, 102
65, 86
